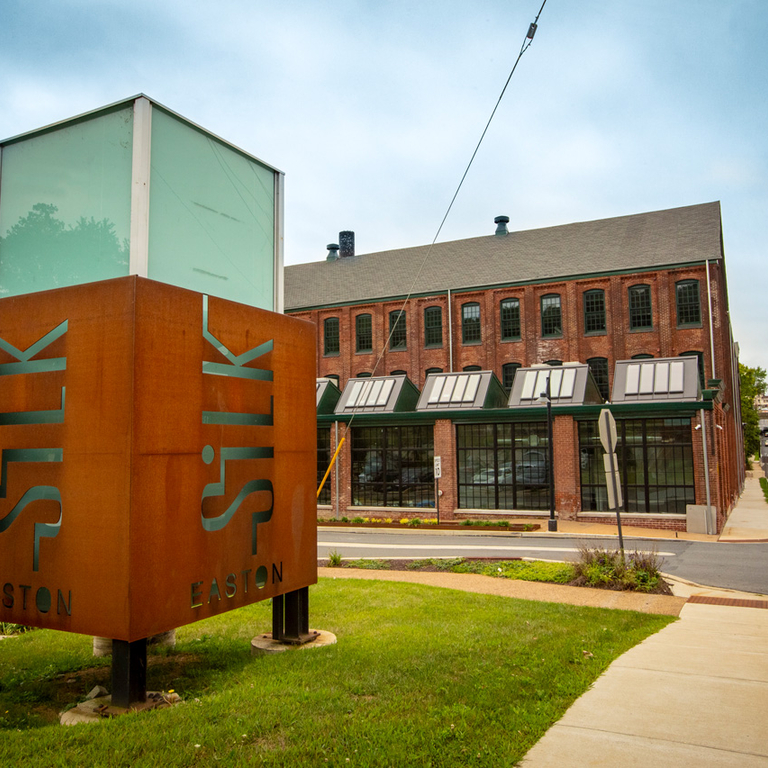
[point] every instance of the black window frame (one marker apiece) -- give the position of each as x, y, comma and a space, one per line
594, 312
598, 367
471, 323
688, 303
509, 318
551, 316
433, 327
398, 330
363, 334
508, 380
640, 304
332, 349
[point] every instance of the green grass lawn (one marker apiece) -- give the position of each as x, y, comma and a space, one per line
420, 676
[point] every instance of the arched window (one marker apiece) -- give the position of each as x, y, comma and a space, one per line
398, 373
363, 334
331, 336
363, 375
594, 311
398, 333
471, 368
598, 367
509, 311
470, 323
334, 377
688, 305
551, 315
640, 312
553, 362
508, 371
433, 327
642, 356
432, 370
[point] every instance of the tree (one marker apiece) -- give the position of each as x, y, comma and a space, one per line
752, 383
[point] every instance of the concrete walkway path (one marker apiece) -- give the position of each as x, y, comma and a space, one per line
694, 694
749, 519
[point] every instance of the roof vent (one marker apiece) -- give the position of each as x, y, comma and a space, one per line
333, 252
501, 225
346, 244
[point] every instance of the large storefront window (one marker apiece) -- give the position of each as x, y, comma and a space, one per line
393, 467
503, 466
655, 466
323, 460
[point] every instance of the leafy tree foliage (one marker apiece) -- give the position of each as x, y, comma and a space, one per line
752, 381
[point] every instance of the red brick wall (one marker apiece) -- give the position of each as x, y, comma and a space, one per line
665, 339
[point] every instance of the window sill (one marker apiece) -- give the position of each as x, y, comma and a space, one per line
685, 326
508, 341
472, 343
364, 352
331, 354
641, 330
595, 333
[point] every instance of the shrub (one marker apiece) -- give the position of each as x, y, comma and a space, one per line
414, 522
358, 520
612, 569
334, 559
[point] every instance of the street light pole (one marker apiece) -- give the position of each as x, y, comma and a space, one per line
552, 523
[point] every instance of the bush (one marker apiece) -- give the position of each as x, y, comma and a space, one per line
612, 569
334, 559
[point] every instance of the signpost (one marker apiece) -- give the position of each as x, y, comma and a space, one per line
609, 438
438, 472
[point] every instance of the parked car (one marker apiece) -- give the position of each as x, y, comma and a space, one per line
532, 468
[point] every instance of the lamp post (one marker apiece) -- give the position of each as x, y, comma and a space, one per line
552, 523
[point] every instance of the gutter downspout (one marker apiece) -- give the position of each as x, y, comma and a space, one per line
706, 472
711, 327
336, 478
450, 334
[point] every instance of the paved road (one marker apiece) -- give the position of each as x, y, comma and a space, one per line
733, 566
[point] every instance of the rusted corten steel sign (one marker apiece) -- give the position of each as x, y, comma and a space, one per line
158, 457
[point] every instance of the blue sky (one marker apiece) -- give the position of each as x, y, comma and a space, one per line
373, 109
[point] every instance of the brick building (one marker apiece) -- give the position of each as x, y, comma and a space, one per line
645, 286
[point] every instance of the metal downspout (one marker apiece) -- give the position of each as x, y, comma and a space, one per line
711, 327
706, 472
450, 334
336, 478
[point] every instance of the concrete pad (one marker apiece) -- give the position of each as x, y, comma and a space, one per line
563, 747
266, 644
705, 636
713, 661
727, 616
698, 710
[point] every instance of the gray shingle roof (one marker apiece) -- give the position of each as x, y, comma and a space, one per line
640, 241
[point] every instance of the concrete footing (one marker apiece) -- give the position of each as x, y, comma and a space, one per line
97, 709
266, 644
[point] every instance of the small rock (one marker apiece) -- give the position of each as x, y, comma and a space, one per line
97, 691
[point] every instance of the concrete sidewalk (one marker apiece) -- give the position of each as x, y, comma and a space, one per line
749, 519
694, 694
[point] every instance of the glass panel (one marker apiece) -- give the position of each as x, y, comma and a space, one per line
676, 371
661, 383
555, 380
461, 385
354, 393
646, 378
385, 392
211, 216
472, 384
632, 384
528, 385
375, 391
437, 388
450, 383
65, 213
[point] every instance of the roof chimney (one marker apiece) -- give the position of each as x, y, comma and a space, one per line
346, 244
333, 252
501, 225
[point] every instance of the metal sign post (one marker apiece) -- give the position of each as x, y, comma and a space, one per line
609, 438
438, 474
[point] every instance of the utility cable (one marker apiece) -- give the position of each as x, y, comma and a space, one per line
523, 48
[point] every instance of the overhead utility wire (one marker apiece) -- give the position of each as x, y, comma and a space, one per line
525, 46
